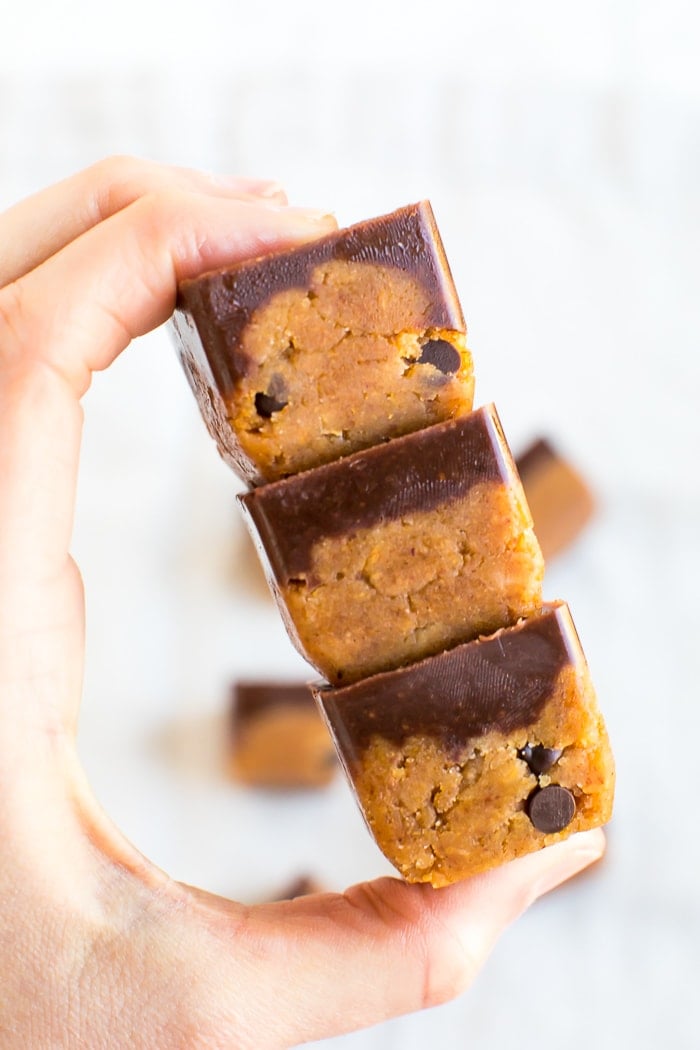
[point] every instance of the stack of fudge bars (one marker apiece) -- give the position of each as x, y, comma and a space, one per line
336, 380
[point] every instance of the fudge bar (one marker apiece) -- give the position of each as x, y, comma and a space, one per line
303, 356
278, 738
477, 755
561, 502
402, 550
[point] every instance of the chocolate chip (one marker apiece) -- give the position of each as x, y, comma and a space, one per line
540, 758
441, 354
551, 808
266, 404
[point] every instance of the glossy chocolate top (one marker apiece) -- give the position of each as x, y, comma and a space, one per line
222, 302
499, 683
251, 698
417, 472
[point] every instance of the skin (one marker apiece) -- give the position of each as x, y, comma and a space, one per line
98, 947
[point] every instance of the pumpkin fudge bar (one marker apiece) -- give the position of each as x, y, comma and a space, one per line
561, 503
477, 755
278, 738
402, 550
303, 356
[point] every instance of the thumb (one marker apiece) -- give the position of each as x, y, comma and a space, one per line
335, 963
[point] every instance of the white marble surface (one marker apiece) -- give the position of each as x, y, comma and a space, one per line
563, 160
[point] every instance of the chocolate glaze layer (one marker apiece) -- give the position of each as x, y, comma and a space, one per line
499, 683
560, 499
538, 455
221, 302
417, 472
251, 698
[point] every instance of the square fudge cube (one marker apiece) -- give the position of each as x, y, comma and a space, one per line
303, 356
401, 550
480, 754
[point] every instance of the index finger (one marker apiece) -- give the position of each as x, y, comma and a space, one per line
34, 229
73, 315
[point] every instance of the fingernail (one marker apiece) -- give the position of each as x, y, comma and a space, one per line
270, 189
314, 215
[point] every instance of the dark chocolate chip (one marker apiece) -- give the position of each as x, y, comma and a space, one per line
551, 808
266, 404
441, 354
540, 758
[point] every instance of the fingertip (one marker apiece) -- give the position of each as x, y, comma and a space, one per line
480, 908
564, 860
257, 228
523, 881
277, 226
318, 218
269, 189
242, 186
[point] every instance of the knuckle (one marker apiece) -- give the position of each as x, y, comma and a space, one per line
173, 217
118, 167
115, 181
442, 964
162, 208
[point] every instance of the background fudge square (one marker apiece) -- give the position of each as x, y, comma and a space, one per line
560, 500
278, 739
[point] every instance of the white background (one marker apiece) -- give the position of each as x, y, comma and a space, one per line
560, 146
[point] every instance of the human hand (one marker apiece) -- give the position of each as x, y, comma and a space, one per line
98, 947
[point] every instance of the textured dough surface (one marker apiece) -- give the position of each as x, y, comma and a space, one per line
283, 747
391, 594
343, 364
440, 816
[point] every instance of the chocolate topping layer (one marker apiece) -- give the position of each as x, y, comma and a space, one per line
416, 472
222, 302
250, 698
536, 456
499, 683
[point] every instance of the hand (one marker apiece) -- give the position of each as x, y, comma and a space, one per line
97, 946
